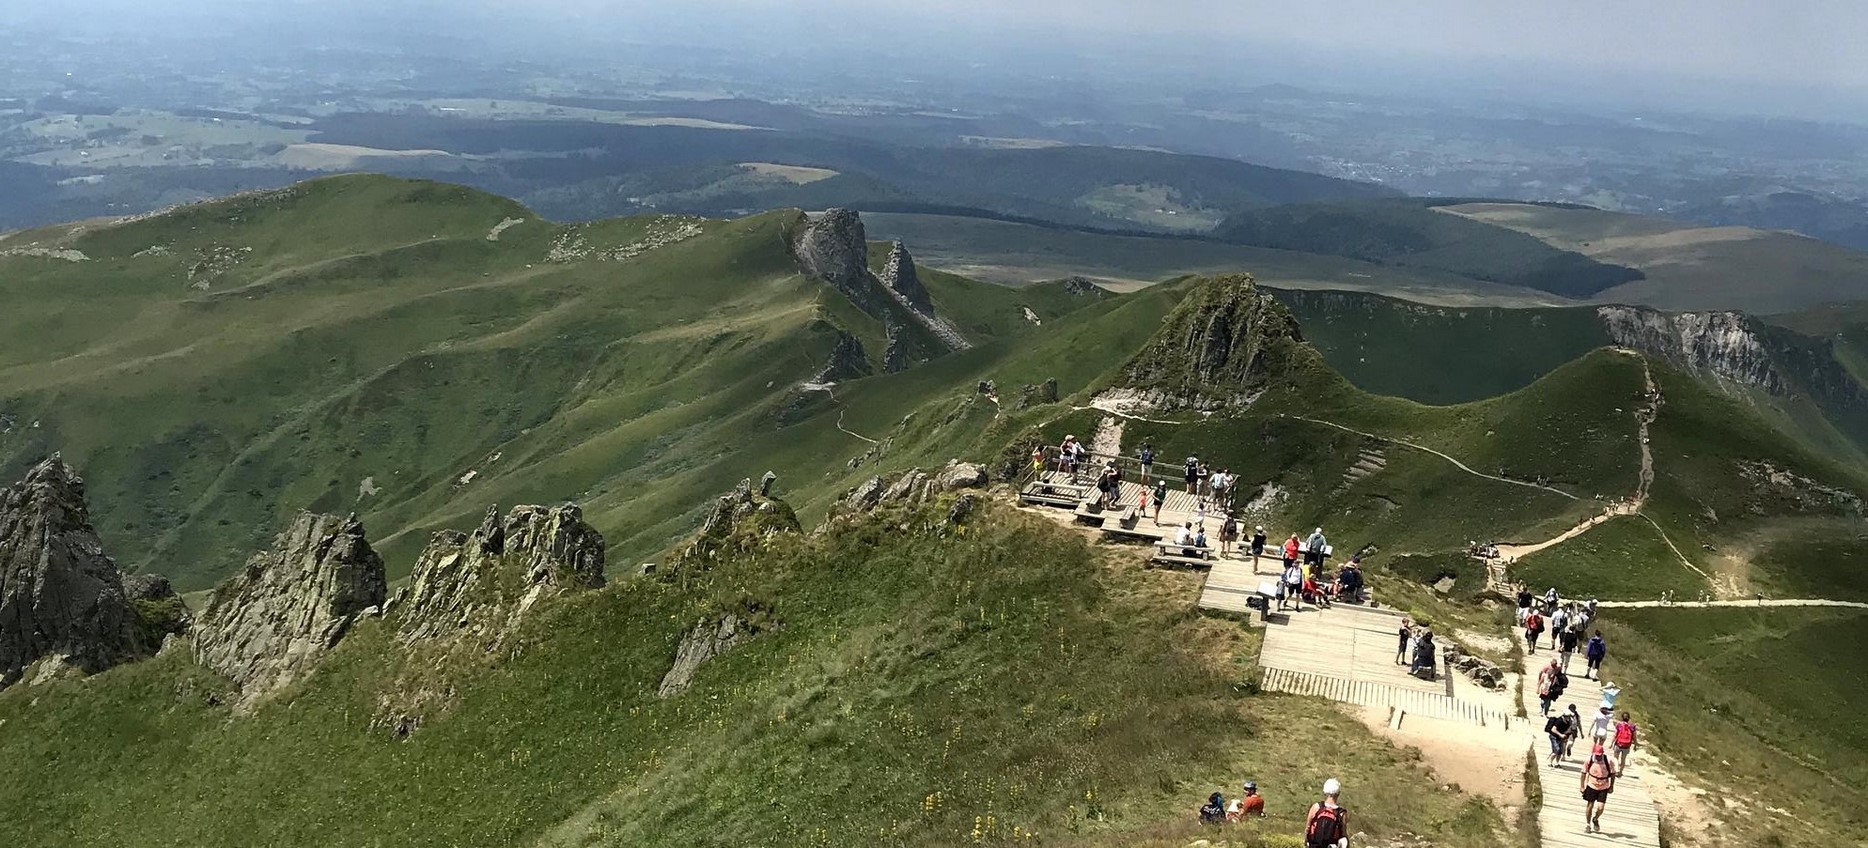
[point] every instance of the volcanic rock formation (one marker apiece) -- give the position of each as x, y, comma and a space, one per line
61, 598
270, 624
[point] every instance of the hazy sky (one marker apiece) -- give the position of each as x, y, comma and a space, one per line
1813, 45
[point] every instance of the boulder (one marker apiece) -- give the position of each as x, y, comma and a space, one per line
737, 521
61, 597
271, 624
707, 640
961, 475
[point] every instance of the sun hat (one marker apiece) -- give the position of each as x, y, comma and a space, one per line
1332, 787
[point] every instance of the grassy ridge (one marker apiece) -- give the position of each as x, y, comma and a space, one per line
926, 688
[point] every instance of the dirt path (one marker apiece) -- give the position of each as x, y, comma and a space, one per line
1107, 440
1456, 463
1751, 602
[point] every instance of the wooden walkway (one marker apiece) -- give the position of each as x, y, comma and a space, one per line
1347, 653
1631, 819
1180, 508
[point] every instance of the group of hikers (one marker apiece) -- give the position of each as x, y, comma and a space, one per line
1416, 650
1611, 736
1566, 621
1212, 492
1326, 823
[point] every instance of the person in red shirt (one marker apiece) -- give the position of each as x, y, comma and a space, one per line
1249, 806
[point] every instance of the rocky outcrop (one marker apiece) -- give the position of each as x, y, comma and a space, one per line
847, 361
895, 354
270, 624
480, 585
737, 521
1223, 344
1720, 344
1083, 287
707, 640
1479, 669
834, 248
909, 488
898, 274
61, 599
1037, 395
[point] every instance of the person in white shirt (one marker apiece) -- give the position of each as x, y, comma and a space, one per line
1599, 729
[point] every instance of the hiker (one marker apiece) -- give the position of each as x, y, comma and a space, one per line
1327, 824
1547, 689
1201, 474
1550, 601
1290, 551
1147, 456
1214, 810
1425, 659
1592, 608
1106, 488
1594, 652
1221, 486
1249, 805
1160, 499
1314, 547
1349, 581
1404, 636
1199, 513
1228, 534
1183, 536
1609, 694
1524, 604
1600, 727
1597, 782
1559, 622
1199, 541
1037, 461
1576, 730
1624, 742
1533, 628
1258, 546
1566, 645
1067, 455
1293, 585
1557, 727
1143, 495
1192, 475
1314, 592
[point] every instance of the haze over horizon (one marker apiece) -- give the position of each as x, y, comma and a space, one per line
1731, 56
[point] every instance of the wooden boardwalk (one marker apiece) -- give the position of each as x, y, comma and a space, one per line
1179, 509
1347, 653
1631, 819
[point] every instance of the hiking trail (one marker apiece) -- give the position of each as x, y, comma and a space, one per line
1456, 463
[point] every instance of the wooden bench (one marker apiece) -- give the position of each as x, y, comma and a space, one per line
1169, 551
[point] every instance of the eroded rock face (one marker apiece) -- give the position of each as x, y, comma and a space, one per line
899, 275
895, 354
911, 487
834, 248
848, 360
481, 584
61, 599
1722, 344
270, 624
737, 521
1224, 343
707, 640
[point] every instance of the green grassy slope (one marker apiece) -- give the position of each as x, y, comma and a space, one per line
1440, 354
1754, 704
360, 344
1007, 684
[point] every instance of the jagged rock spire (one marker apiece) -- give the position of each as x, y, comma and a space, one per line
270, 624
899, 275
60, 596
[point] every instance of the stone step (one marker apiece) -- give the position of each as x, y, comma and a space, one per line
1372, 694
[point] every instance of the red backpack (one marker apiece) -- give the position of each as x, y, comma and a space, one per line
1624, 734
1326, 827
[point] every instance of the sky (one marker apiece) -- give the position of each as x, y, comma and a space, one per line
1755, 54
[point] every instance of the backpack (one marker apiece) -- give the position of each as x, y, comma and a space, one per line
1600, 773
1326, 827
1558, 684
1624, 734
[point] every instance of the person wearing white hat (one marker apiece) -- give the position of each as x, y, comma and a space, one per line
1327, 825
